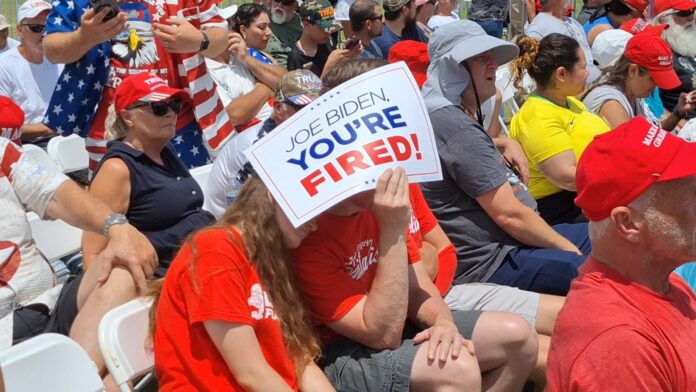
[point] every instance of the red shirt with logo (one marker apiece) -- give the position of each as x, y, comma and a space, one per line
226, 288
616, 335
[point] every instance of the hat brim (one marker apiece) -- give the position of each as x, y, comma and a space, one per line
228, 12
330, 26
302, 99
683, 165
684, 6
34, 12
665, 79
503, 51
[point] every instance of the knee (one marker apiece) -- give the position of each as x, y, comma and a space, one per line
465, 374
461, 374
519, 338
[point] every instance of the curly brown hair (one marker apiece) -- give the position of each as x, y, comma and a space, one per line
254, 215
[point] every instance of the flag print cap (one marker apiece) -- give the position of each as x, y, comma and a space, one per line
299, 87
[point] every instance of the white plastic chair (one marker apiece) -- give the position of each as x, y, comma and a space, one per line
122, 334
201, 174
69, 152
55, 239
49, 362
39, 155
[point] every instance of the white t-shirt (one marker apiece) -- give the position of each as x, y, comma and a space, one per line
436, 21
11, 43
342, 8
234, 80
29, 85
24, 185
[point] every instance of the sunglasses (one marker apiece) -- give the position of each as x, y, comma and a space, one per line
159, 108
684, 14
377, 17
285, 2
35, 28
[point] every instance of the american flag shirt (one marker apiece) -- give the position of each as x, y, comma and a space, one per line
85, 90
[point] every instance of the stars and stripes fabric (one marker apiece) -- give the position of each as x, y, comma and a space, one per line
79, 91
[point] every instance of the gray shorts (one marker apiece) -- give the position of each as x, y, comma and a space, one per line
494, 297
352, 367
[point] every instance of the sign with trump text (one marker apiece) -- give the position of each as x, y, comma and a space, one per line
342, 142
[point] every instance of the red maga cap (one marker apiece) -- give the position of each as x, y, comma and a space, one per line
144, 87
639, 5
415, 54
11, 115
618, 166
652, 53
679, 5
638, 25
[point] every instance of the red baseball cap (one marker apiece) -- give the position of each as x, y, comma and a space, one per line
11, 115
679, 5
144, 87
617, 166
639, 5
652, 53
638, 25
415, 55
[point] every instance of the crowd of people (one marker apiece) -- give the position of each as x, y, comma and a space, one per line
543, 259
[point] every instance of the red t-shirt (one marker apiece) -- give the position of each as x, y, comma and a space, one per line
616, 335
422, 222
227, 289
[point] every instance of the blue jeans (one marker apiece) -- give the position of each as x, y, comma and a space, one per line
545, 270
492, 27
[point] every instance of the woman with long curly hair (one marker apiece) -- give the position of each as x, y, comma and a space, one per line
227, 317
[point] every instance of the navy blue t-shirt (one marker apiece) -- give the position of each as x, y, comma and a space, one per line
389, 38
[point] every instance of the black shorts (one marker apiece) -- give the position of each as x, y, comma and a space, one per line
35, 319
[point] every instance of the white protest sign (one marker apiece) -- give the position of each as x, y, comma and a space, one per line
342, 142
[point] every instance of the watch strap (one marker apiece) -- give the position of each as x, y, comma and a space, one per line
113, 219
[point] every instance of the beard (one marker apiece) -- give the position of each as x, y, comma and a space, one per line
279, 15
681, 38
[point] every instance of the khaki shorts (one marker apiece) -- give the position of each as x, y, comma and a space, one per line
494, 297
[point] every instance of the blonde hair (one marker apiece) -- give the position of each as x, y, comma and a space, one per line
254, 213
116, 128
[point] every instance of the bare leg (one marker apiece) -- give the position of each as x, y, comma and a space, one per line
460, 375
547, 311
539, 373
506, 349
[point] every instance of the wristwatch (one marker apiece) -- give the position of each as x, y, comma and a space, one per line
113, 219
205, 42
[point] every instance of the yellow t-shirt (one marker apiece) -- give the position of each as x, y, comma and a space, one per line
545, 129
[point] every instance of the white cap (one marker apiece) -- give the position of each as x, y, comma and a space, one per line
31, 8
227, 12
609, 46
3, 22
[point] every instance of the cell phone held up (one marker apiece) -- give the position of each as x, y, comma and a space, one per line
351, 42
98, 5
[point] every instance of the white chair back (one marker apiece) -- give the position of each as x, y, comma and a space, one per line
39, 155
55, 239
122, 334
69, 152
201, 174
49, 362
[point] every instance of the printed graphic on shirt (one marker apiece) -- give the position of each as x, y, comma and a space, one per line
259, 300
366, 254
9, 261
413, 225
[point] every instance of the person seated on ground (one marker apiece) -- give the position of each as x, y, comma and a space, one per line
362, 292
444, 13
620, 93
425, 10
30, 295
553, 126
612, 16
141, 177
367, 22
287, 29
399, 24
227, 317
314, 51
231, 168
245, 81
481, 204
439, 258
631, 185
681, 37
553, 19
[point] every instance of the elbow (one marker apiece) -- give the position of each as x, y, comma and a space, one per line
236, 116
389, 341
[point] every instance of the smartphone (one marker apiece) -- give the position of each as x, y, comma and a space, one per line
351, 42
98, 5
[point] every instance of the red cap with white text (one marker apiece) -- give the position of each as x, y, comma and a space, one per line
144, 87
652, 53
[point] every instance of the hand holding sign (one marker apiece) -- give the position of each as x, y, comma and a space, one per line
342, 142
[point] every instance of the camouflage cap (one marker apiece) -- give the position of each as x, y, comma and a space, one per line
321, 13
395, 5
299, 87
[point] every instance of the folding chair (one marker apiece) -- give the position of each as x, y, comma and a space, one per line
122, 334
201, 174
49, 362
40, 156
69, 152
55, 239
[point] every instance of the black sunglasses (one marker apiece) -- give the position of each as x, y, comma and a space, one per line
685, 14
35, 28
377, 17
159, 108
285, 2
